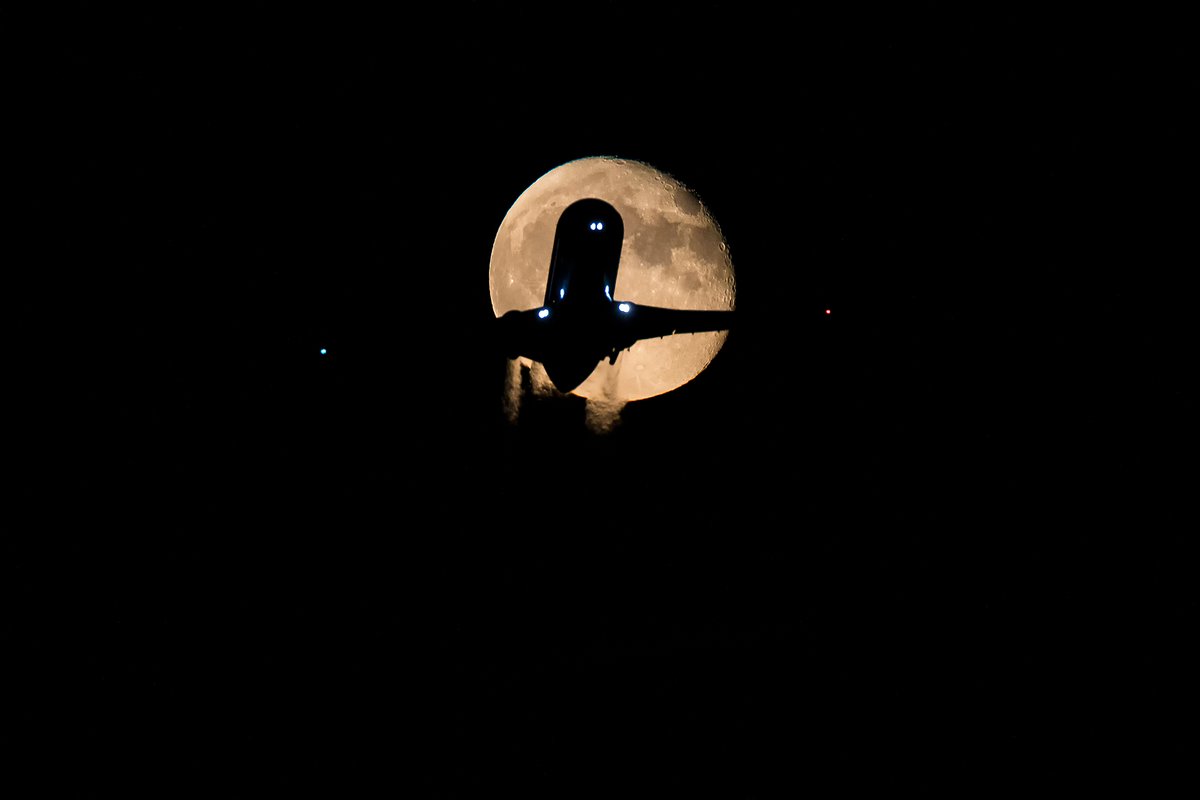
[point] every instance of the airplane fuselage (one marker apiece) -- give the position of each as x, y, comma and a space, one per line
586, 256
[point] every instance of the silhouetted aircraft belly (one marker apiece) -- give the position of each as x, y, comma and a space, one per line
580, 323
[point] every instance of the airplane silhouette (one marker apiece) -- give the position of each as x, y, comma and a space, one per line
579, 323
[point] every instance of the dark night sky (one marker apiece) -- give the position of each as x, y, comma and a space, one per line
924, 542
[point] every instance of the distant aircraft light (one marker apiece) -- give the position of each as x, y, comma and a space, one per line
599, 226
323, 351
545, 312
828, 311
624, 307
592, 226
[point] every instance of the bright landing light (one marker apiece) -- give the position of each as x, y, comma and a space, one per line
545, 312
624, 307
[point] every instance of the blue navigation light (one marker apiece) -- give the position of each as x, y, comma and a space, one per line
545, 312
624, 307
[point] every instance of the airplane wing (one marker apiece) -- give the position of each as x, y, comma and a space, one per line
521, 333
652, 322
533, 333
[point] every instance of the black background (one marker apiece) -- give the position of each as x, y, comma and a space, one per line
925, 542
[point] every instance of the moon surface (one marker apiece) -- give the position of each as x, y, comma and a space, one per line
673, 255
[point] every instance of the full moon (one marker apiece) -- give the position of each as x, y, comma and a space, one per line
673, 255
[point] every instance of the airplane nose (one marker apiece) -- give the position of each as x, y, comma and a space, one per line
567, 372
